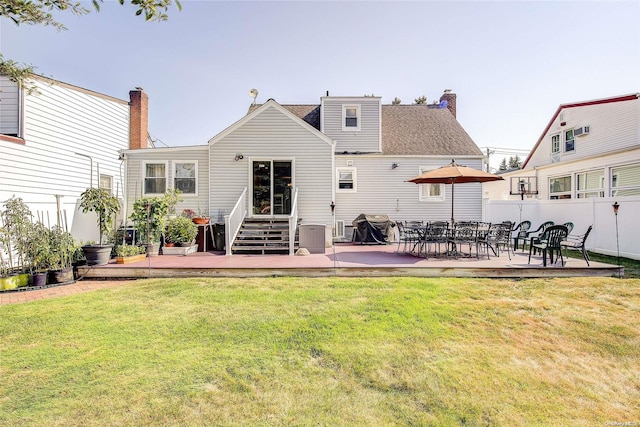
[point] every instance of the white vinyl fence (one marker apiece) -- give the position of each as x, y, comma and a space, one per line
582, 212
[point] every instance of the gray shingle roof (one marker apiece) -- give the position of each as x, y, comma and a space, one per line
409, 130
423, 130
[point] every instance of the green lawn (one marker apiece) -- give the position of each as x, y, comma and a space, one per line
284, 351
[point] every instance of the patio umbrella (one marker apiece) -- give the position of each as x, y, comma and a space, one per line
454, 174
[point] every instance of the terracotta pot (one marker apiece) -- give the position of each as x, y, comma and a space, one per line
199, 220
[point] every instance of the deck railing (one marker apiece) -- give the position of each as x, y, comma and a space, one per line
233, 221
293, 222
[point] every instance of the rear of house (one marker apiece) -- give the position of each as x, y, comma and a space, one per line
292, 163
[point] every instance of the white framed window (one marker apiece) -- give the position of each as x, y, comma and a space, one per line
351, 117
185, 177
431, 192
560, 187
569, 141
106, 182
625, 180
347, 180
590, 184
155, 177
11, 108
555, 144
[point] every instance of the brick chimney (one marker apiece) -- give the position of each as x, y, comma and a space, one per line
138, 119
450, 97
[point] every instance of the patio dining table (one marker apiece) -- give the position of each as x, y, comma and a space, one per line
434, 235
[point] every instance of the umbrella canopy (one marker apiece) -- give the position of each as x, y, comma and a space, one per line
454, 174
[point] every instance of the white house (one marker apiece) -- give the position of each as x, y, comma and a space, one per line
587, 158
291, 163
60, 140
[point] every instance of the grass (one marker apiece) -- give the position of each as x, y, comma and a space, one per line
285, 351
631, 267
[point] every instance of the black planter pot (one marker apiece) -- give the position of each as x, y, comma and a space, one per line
97, 254
39, 279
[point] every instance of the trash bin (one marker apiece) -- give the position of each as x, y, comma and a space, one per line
312, 237
218, 236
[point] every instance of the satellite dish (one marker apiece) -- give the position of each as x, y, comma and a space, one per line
254, 94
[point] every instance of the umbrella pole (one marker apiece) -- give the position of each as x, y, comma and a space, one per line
452, 187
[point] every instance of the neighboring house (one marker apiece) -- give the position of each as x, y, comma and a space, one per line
60, 140
292, 162
587, 156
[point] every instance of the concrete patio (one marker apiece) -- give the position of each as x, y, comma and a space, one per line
344, 260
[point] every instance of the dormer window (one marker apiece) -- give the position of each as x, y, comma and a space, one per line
351, 117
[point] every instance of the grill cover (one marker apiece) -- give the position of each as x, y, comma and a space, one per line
373, 229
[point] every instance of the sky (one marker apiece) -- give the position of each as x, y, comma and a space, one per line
511, 63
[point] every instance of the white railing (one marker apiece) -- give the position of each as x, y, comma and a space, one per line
233, 221
293, 222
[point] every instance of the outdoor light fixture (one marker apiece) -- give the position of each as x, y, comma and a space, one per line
333, 207
239, 156
394, 165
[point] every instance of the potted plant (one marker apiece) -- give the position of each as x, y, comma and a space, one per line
180, 231
173, 197
62, 247
130, 253
105, 206
149, 216
15, 221
38, 253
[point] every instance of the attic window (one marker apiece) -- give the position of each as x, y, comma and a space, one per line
351, 117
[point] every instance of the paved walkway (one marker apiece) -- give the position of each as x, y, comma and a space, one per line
58, 291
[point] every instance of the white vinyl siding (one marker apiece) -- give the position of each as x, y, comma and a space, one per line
273, 133
613, 127
63, 125
137, 159
365, 138
383, 189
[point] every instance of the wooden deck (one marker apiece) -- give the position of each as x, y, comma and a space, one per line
345, 260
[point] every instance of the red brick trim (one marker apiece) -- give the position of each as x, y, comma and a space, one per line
12, 139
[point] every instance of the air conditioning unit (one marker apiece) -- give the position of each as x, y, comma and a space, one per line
338, 230
581, 131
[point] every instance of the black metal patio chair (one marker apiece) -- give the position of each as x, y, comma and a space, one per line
408, 234
435, 235
498, 235
578, 243
465, 233
549, 242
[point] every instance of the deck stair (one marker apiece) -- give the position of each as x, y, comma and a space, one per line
263, 236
